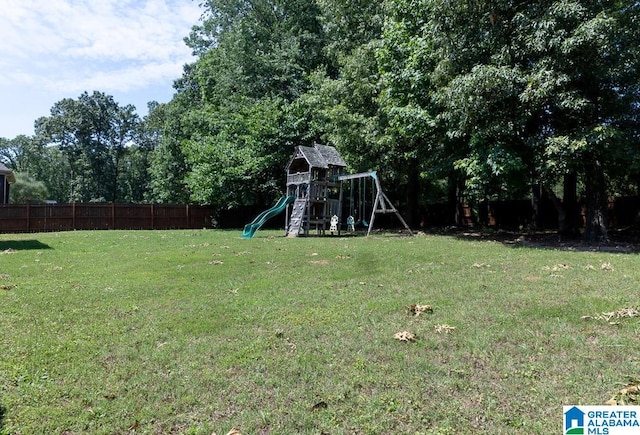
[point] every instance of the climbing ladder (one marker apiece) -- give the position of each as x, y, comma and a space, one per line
295, 220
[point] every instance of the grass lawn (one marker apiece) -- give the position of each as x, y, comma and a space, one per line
111, 332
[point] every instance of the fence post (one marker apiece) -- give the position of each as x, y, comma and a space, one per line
113, 215
73, 216
188, 219
153, 213
28, 218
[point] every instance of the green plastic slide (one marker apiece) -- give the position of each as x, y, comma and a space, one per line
250, 229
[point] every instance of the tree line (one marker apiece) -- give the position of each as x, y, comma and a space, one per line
450, 100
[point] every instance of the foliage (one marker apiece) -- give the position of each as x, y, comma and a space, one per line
26, 190
93, 132
233, 104
239, 150
170, 124
43, 164
536, 90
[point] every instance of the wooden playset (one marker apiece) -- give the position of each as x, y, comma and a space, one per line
315, 194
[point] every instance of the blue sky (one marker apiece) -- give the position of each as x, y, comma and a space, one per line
55, 49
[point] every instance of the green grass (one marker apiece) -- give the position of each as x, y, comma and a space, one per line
201, 331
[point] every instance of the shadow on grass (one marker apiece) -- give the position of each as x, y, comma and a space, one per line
619, 242
22, 245
3, 411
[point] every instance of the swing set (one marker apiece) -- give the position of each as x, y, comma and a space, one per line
380, 201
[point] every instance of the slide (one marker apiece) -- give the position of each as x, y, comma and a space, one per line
250, 229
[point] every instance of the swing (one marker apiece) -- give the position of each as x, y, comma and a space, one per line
362, 187
350, 220
363, 203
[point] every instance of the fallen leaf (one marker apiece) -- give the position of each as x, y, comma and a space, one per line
404, 336
629, 395
417, 309
621, 313
557, 267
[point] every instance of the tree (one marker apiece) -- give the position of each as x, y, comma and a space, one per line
93, 132
172, 124
372, 101
233, 130
32, 158
26, 190
537, 90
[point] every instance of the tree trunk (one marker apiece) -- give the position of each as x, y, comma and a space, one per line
454, 198
413, 195
536, 196
571, 225
596, 199
567, 209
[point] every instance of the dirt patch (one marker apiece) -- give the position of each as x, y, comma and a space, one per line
320, 262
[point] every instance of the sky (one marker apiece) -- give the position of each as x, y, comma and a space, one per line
132, 50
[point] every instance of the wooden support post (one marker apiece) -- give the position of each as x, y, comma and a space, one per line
340, 209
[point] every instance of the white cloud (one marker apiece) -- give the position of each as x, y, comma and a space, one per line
55, 49
78, 45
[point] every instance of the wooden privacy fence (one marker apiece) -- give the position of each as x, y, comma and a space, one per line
20, 218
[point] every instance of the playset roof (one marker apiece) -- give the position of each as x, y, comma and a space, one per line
321, 156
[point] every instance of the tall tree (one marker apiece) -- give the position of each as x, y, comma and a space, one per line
538, 89
172, 125
237, 124
93, 131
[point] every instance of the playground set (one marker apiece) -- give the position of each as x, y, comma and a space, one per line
314, 200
